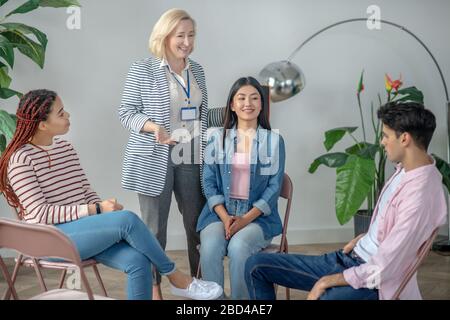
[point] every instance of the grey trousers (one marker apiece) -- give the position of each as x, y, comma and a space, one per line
184, 181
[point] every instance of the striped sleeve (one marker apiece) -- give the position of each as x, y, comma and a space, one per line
216, 116
130, 110
24, 182
90, 195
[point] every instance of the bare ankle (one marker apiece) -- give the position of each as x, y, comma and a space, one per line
179, 279
157, 293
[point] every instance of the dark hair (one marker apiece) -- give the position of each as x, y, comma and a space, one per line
411, 117
34, 107
230, 116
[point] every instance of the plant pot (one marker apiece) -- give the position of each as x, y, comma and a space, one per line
361, 222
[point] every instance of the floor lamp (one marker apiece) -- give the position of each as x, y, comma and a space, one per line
286, 79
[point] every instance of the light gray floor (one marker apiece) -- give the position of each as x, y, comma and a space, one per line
434, 276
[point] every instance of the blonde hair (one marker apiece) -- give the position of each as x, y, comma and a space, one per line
162, 29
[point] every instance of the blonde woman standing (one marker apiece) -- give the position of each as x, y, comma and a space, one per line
164, 106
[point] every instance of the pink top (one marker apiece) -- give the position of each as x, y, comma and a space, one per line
415, 209
240, 178
50, 183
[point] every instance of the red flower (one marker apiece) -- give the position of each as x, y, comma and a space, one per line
396, 84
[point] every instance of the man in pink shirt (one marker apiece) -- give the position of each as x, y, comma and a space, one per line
371, 266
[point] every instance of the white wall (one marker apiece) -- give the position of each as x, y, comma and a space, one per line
87, 68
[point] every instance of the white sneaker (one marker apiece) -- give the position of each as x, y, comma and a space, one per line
199, 290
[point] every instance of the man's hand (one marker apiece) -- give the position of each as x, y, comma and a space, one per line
349, 246
162, 136
318, 289
110, 205
330, 281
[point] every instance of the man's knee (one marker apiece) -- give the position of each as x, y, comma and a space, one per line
252, 263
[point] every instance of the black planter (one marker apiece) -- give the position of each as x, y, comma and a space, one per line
361, 221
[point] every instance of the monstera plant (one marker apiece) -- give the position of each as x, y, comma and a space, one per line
25, 39
360, 168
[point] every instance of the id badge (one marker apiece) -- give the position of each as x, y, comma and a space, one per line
188, 113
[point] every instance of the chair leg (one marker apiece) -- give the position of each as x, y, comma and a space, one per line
39, 275
8, 279
199, 271
18, 264
63, 277
99, 279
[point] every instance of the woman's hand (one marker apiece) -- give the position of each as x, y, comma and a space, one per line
162, 136
227, 222
238, 224
110, 205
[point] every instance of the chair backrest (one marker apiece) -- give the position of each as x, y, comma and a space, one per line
421, 255
287, 190
40, 241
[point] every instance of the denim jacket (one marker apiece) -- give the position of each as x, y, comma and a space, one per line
266, 177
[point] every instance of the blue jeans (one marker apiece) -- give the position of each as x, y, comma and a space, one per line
301, 272
214, 247
121, 240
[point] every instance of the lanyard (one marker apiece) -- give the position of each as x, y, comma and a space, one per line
187, 90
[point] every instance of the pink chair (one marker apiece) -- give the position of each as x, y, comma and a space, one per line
286, 192
37, 242
421, 255
22, 260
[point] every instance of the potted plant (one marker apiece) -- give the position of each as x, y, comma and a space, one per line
30, 42
360, 169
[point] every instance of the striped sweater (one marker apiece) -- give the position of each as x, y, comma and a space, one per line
50, 183
146, 96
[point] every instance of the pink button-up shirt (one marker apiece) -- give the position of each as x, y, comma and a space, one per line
416, 208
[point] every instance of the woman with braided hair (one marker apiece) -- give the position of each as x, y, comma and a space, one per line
41, 176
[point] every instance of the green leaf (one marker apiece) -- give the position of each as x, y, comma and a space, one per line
2, 143
331, 160
28, 6
334, 135
59, 3
28, 47
444, 169
6, 50
365, 150
24, 29
5, 79
353, 183
410, 94
2, 2
7, 124
6, 93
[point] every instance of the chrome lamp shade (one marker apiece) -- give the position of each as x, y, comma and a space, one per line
284, 78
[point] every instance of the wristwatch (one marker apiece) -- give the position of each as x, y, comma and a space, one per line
97, 208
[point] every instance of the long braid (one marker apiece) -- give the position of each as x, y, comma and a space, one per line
34, 107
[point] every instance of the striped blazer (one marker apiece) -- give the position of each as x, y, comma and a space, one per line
146, 96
